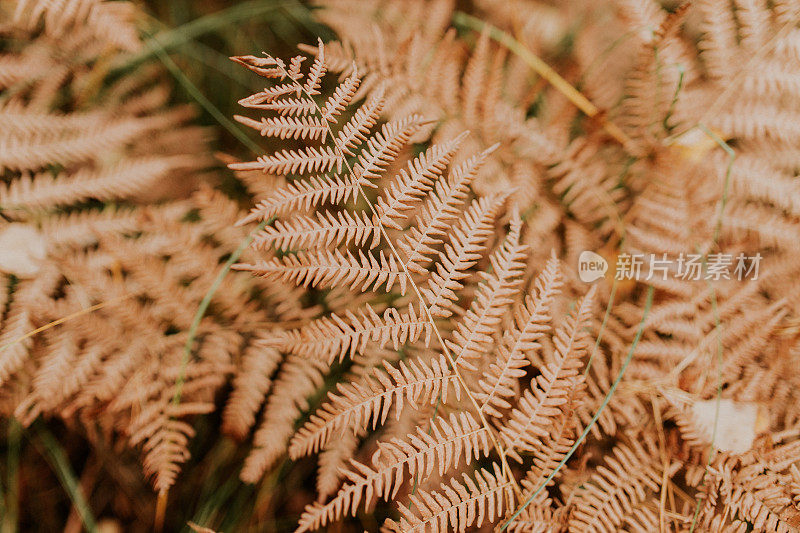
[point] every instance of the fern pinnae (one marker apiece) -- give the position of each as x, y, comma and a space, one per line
364, 119
383, 146
250, 387
410, 186
268, 66
458, 506
474, 331
293, 107
297, 379
334, 337
256, 100
440, 209
341, 98
554, 446
464, 249
294, 161
286, 127
549, 391
356, 404
419, 453
531, 324
303, 194
327, 268
315, 73
326, 231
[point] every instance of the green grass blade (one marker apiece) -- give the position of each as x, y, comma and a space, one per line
201, 99
55, 455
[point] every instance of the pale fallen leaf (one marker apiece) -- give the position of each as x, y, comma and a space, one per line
737, 423
22, 249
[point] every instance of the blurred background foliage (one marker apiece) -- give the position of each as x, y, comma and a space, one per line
42, 466
194, 40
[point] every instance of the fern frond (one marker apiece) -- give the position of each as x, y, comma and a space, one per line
441, 208
465, 248
165, 441
363, 120
603, 502
19, 321
326, 231
249, 388
328, 268
297, 379
340, 98
458, 505
382, 147
474, 331
304, 194
419, 454
294, 161
287, 127
357, 404
329, 338
411, 185
531, 323
121, 180
550, 390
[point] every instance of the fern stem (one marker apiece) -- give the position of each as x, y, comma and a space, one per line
546, 72
648, 304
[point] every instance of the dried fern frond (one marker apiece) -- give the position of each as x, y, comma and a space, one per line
431, 264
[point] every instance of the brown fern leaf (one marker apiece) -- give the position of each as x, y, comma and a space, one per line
443, 446
437, 255
439, 211
303, 194
297, 379
551, 389
329, 338
326, 230
249, 388
474, 331
530, 325
329, 268
458, 506
602, 503
466, 246
357, 404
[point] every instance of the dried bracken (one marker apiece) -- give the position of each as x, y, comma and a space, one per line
409, 307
